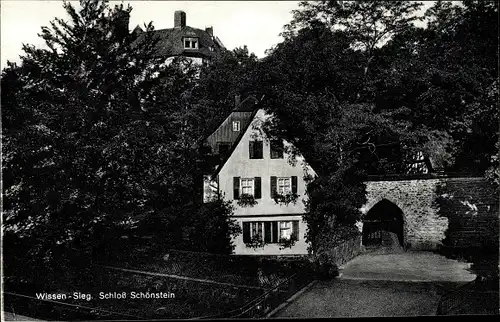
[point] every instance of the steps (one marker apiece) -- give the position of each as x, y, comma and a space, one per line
389, 245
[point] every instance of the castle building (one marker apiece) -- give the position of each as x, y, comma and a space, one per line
199, 45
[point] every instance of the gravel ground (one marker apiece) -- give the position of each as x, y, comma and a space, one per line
382, 285
357, 298
407, 266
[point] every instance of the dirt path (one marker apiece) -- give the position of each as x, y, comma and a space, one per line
357, 298
382, 285
407, 266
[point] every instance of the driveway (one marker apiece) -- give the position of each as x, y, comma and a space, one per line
373, 285
407, 266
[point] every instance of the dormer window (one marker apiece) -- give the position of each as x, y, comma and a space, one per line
190, 43
236, 126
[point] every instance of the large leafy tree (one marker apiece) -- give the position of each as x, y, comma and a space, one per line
367, 24
342, 49
358, 88
97, 141
310, 83
318, 86
447, 76
230, 74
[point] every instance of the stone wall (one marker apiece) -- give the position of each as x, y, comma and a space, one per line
330, 258
471, 206
440, 211
341, 254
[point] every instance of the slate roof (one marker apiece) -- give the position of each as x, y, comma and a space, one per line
235, 144
171, 42
250, 104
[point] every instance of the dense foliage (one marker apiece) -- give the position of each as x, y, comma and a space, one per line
359, 88
100, 141
230, 74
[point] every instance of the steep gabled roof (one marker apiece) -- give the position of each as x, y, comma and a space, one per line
170, 42
228, 155
250, 104
250, 101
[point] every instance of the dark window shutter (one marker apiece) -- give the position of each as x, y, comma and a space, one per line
257, 188
251, 150
275, 232
236, 187
273, 187
259, 150
246, 232
295, 228
267, 231
294, 184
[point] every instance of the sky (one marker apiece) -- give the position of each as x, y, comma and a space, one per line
256, 24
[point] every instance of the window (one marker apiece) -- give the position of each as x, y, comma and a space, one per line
191, 43
284, 186
247, 186
236, 126
285, 229
256, 150
257, 230
276, 149
272, 231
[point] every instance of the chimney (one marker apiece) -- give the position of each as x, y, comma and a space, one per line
123, 19
210, 31
179, 19
236, 100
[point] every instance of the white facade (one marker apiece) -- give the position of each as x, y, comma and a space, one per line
267, 214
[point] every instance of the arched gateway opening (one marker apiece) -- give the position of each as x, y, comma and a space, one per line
383, 225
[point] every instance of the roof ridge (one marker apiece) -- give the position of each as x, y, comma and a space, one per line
182, 28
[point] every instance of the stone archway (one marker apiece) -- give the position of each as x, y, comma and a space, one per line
383, 225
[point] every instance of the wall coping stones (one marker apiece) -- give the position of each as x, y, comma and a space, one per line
427, 176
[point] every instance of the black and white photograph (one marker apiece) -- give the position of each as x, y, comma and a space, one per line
211, 160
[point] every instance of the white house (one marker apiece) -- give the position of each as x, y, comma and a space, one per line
254, 169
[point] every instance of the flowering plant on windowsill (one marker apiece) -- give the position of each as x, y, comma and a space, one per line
256, 242
286, 198
288, 242
246, 200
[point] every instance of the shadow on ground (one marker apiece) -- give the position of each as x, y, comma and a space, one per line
375, 298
